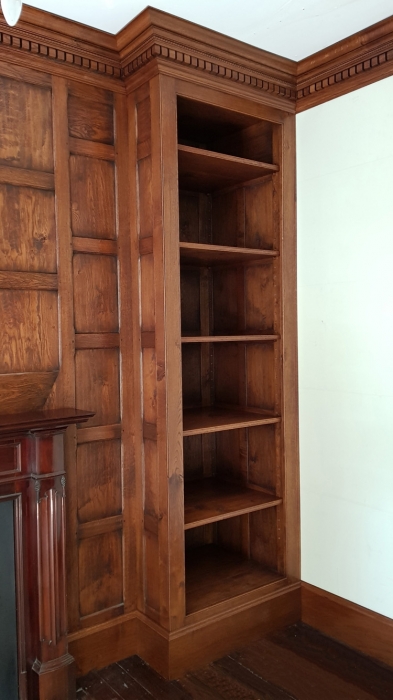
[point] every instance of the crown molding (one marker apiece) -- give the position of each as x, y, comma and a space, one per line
348, 65
176, 43
44, 42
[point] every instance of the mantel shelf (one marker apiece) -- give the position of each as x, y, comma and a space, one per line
204, 254
31, 421
209, 171
213, 419
210, 500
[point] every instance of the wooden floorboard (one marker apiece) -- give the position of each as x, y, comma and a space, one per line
297, 663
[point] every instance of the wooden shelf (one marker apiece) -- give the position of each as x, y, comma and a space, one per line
203, 254
214, 575
250, 338
215, 419
210, 500
207, 171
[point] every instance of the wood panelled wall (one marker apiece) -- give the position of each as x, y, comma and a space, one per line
63, 185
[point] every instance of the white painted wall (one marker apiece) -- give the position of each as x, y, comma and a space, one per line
345, 275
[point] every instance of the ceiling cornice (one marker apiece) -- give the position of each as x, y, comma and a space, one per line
45, 42
350, 64
51, 44
172, 41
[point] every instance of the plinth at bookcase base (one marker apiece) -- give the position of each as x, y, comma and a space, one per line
173, 654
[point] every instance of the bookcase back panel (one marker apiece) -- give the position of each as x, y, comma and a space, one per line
211, 127
250, 456
241, 217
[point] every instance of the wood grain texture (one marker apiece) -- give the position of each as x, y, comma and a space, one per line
95, 294
255, 72
99, 480
92, 149
130, 408
91, 119
95, 246
207, 171
215, 574
357, 627
100, 527
21, 177
111, 641
26, 391
98, 179
63, 392
213, 419
347, 65
206, 254
97, 384
209, 501
92, 197
100, 569
97, 433
283, 145
25, 126
333, 669
28, 280
90, 341
62, 48
27, 219
28, 331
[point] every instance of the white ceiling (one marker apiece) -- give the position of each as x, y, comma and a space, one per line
291, 28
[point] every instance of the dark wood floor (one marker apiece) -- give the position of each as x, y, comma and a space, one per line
297, 663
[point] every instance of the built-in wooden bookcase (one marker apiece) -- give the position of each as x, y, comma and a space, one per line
230, 233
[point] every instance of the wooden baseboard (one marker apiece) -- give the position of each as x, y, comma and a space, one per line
173, 654
200, 644
104, 644
357, 627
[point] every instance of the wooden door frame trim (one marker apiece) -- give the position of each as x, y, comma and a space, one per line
360, 628
55, 45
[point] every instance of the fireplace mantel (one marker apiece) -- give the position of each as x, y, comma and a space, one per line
32, 477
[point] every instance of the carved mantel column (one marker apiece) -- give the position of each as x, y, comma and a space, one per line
32, 475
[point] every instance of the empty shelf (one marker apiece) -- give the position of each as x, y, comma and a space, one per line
209, 171
210, 500
214, 574
214, 419
246, 338
206, 254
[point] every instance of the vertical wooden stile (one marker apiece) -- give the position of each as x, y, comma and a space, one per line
64, 389
133, 283
169, 403
130, 416
173, 357
290, 454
